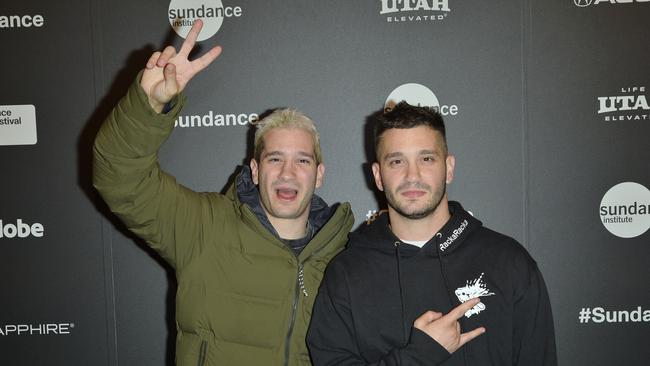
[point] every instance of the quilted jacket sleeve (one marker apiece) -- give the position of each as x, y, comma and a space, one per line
127, 174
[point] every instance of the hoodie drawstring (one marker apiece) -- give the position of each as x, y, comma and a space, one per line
445, 280
401, 295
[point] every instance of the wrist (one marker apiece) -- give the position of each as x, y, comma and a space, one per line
156, 106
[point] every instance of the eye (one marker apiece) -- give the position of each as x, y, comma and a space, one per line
273, 159
395, 162
304, 161
428, 159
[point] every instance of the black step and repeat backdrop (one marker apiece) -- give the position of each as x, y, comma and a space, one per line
546, 104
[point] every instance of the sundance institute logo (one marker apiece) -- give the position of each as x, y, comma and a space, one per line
183, 13
419, 95
625, 210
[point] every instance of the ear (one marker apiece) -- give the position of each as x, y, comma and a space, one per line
320, 174
451, 163
254, 171
376, 172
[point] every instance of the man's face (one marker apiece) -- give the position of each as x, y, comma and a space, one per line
287, 173
413, 170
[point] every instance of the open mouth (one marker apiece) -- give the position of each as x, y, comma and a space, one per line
286, 194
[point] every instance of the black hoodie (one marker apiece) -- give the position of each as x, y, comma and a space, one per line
374, 290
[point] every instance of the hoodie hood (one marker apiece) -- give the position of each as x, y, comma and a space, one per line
375, 232
247, 193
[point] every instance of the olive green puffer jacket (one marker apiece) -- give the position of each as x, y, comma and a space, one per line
244, 298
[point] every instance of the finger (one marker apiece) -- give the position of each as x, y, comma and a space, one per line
430, 316
190, 40
466, 337
205, 60
167, 53
171, 84
152, 60
460, 310
426, 318
435, 316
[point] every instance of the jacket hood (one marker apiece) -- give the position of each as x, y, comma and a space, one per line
376, 234
247, 193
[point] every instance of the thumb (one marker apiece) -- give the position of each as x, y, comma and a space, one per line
171, 84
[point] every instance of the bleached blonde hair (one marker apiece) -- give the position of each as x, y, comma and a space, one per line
286, 118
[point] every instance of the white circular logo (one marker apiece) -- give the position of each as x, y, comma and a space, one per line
582, 3
413, 94
625, 210
183, 13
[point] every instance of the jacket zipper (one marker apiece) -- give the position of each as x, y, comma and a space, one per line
294, 310
300, 286
296, 293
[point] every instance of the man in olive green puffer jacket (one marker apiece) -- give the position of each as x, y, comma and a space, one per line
248, 263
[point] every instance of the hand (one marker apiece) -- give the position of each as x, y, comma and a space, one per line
445, 329
167, 72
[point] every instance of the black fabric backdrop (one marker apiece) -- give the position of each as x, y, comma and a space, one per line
536, 150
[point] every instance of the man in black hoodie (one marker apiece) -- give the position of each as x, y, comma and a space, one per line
382, 300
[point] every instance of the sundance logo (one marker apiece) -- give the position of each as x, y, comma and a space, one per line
414, 10
585, 3
212, 119
21, 21
602, 315
183, 13
20, 230
419, 95
51, 329
17, 125
630, 105
625, 210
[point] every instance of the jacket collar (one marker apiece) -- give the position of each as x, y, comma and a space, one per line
246, 192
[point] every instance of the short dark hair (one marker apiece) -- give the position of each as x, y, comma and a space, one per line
404, 115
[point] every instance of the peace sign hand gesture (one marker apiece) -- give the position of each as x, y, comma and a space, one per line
167, 72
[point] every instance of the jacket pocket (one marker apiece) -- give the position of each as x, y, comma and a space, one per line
191, 350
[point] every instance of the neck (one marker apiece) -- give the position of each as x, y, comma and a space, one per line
290, 228
420, 229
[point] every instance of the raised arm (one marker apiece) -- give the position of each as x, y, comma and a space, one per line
126, 172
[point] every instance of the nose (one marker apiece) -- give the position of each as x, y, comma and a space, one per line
413, 172
287, 171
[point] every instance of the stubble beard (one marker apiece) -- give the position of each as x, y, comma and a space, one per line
427, 210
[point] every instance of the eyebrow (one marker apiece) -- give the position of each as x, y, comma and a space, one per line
280, 153
398, 154
428, 152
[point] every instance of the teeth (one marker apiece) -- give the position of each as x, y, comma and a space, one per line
287, 192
